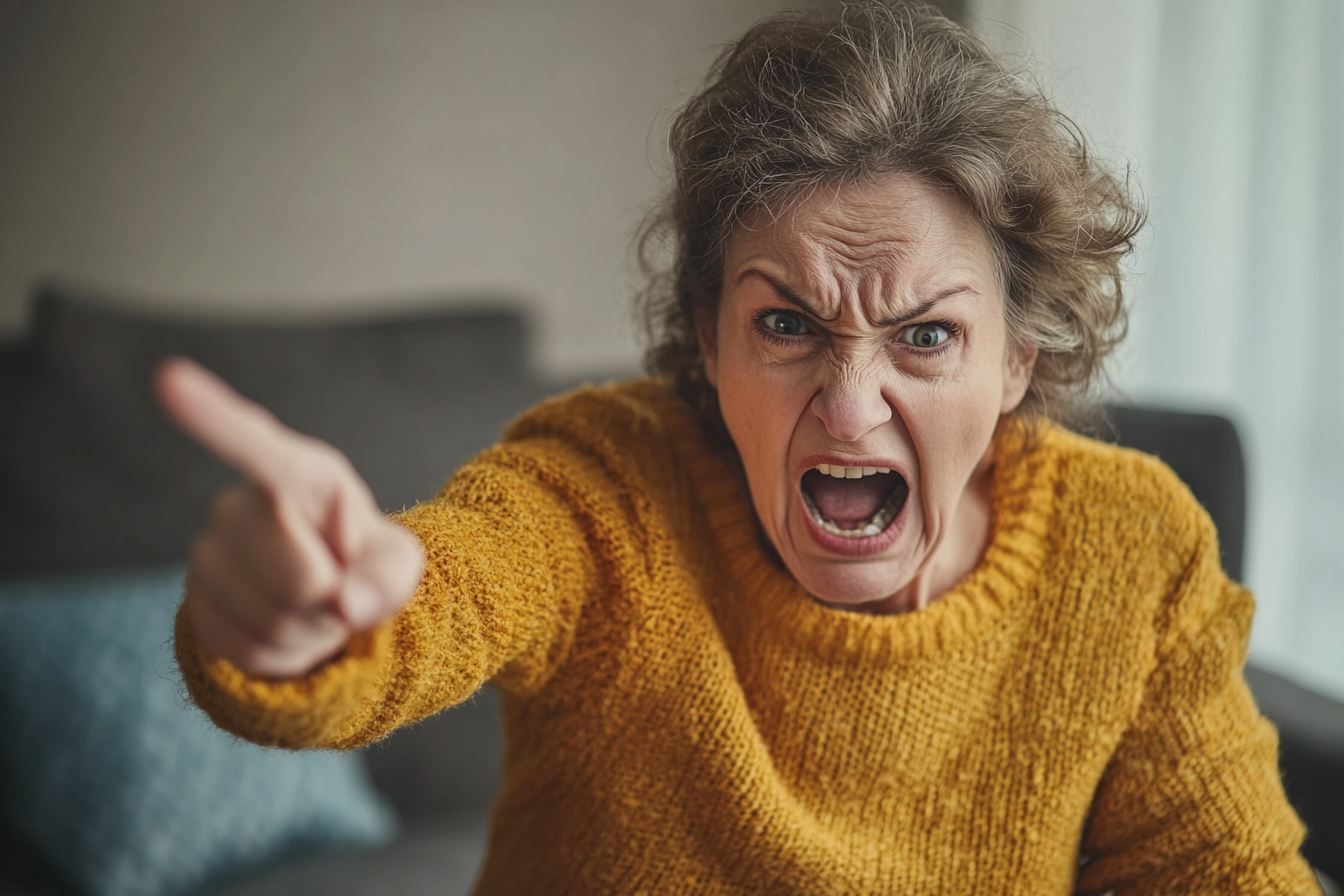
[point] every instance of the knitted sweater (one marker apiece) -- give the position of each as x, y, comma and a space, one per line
681, 717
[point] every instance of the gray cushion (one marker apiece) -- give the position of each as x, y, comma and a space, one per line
91, 475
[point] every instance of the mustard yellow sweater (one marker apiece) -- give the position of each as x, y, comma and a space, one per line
681, 717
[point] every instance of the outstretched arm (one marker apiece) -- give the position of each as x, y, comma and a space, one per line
310, 620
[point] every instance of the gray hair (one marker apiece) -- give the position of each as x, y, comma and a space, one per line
806, 99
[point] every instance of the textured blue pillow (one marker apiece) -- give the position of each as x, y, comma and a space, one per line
122, 784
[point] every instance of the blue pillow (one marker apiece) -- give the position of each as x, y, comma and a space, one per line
123, 785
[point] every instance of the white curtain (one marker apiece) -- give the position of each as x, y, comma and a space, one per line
1231, 114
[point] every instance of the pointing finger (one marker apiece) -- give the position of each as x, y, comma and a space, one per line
240, 432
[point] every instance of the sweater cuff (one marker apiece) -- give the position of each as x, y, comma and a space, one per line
326, 708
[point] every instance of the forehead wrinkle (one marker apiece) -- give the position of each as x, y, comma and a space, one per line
863, 252
867, 221
874, 284
859, 246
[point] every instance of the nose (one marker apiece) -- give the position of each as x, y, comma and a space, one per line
851, 404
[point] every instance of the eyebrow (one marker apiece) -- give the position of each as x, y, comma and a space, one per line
798, 301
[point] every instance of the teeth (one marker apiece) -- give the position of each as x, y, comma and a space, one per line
874, 526
836, 471
871, 528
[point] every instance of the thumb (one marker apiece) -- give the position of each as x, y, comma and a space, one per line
381, 578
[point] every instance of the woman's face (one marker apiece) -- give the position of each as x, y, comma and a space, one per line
862, 332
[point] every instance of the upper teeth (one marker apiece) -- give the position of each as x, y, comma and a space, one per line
839, 471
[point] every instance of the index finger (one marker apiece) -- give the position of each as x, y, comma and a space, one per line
239, 431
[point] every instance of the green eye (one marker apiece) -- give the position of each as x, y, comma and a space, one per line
785, 323
927, 335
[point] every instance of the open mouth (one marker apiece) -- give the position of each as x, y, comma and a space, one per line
854, 502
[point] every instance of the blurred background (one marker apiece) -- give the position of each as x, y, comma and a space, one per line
251, 177
299, 158
303, 159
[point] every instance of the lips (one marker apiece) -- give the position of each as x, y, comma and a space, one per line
852, 510
860, 502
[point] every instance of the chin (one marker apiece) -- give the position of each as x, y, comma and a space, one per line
853, 585
861, 574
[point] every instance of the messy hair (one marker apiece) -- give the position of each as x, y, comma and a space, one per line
807, 99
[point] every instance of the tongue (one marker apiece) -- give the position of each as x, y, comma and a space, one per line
849, 503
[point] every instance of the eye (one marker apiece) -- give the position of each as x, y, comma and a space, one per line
926, 335
784, 323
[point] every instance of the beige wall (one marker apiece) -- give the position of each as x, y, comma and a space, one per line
258, 158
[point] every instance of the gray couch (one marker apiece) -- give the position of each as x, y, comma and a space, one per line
91, 477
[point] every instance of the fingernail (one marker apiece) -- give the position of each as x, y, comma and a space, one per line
360, 605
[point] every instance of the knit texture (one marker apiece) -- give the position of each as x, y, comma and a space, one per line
681, 717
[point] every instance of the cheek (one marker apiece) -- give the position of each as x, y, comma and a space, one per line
738, 389
747, 388
753, 410
761, 408
951, 428
951, 425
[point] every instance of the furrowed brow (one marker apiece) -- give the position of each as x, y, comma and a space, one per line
901, 319
922, 308
799, 302
787, 294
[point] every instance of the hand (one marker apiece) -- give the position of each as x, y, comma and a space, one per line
298, 558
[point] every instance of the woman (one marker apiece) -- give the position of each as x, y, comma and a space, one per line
828, 604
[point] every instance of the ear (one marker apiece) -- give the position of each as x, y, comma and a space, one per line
706, 334
1018, 364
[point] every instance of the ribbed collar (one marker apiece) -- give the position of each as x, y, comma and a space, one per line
1023, 495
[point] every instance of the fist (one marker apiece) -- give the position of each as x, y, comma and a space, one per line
297, 557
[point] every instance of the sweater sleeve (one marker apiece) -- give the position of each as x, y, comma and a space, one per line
508, 565
1191, 801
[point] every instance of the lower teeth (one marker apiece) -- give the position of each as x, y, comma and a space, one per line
874, 526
